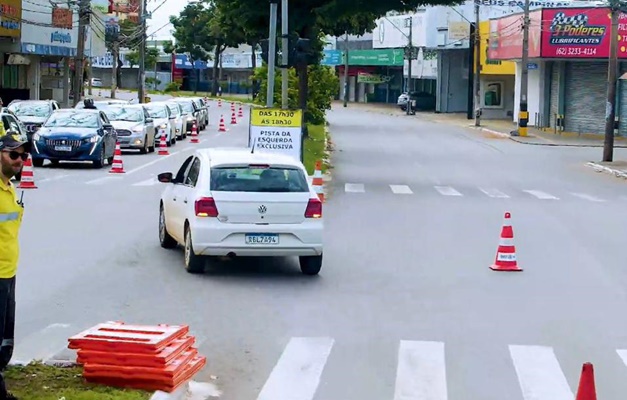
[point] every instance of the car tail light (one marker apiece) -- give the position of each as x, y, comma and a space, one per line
206, 207
314, 209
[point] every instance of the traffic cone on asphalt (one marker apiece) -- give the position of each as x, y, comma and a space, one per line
219, 102
587, 389
232, 107
27, 180
233, 118
506, 253
222, 127
163, 146
117, 166
240, 113
194, 138
317, 182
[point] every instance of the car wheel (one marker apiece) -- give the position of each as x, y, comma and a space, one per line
38, 162
101, 159
144, 149
167, 241
310, 265
193, 264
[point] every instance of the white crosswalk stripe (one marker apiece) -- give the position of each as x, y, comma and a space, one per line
539, 373
495, 193
401, 189
297, 373
588, 197
421, 371
541, 195
447, 191
354, 188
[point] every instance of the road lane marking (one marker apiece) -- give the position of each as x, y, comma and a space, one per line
539, 373
421, 371
43, 344
401, 189
494, 193
447, 191
354, 188
588, 197
296, 375
541, 195
148, 182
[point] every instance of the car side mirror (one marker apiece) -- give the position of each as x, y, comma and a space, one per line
165, 177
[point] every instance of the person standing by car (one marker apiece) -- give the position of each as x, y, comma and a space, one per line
13, 153
89, 104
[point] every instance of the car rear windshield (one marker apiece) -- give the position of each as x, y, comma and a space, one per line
258, 179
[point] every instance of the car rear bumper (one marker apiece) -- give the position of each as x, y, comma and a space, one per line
219, 239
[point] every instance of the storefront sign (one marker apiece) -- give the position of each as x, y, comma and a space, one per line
62, 18
60, 37
332, 57
276, 131
580, 33
364, 77
11, 15
505, 40
382, 57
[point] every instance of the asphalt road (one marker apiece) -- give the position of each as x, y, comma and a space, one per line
406, 306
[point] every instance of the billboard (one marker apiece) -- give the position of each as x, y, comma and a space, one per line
506, 36
580, 33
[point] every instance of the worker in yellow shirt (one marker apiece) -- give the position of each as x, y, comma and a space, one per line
13, 153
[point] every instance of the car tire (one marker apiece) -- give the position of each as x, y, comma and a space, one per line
193, 264
100, 162
310, 265
166, 241
38, 162
144, 150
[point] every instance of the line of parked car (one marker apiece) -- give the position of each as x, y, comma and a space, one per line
78, 134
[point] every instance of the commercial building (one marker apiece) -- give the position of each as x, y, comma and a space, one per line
568, 51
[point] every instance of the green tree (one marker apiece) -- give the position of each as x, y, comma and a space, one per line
152, 56
311, 19
192, 34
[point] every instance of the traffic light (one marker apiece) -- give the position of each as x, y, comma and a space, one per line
301, 53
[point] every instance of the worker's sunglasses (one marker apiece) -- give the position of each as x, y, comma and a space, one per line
14, 155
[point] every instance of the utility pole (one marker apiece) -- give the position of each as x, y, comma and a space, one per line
271, 53
154, 41
410, 46
523, 112
284, 55
83, 21
143, 14
477, 80
115, 49
346, 69
610, 108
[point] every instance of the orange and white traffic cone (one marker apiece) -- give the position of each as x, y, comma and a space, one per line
240, 113
222, 127
194, 138
117, 166
27, 180
232, 107
506, 253
163, 146
233, 118
587, 389
317, 182
219, 102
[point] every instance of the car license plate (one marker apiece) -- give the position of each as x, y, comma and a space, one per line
261, 238
63, 148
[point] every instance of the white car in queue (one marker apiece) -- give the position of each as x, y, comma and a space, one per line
231, 202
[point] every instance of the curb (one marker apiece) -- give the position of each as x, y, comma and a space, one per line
602, 168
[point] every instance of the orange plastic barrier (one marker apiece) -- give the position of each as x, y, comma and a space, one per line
123, 338
160, 357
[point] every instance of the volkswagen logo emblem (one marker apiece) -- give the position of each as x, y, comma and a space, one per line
63, 142
262, 209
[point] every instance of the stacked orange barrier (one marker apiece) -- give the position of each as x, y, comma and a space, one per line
160, 357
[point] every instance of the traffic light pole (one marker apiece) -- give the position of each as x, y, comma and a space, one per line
284, 55
271, 53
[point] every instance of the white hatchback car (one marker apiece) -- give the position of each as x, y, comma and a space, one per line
231, 202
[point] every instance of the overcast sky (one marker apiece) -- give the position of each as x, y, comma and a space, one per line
160, 17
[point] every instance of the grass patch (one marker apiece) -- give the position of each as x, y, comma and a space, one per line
315, 148
38, 381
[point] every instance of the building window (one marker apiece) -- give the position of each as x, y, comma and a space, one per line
493, 94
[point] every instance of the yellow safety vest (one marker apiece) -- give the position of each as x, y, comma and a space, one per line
11, 214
